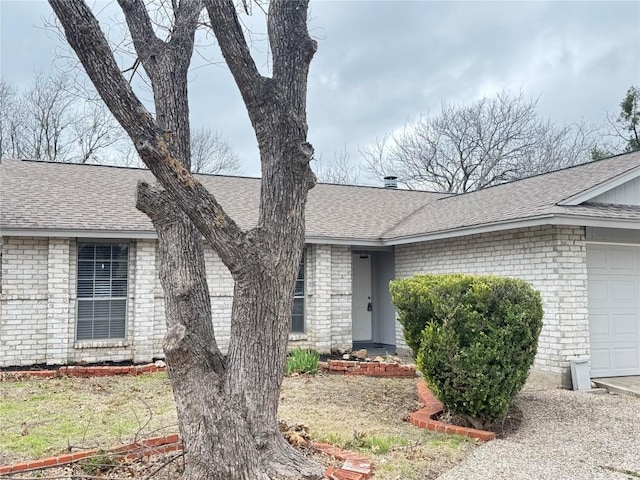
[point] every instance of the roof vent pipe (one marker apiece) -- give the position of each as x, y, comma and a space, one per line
391, 181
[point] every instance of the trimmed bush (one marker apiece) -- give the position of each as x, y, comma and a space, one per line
478, 340
413, 299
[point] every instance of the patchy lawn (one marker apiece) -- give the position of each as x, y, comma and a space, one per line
43, 417
366, 414
40, 418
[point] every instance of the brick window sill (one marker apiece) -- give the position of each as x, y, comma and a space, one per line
100, 344
297, 336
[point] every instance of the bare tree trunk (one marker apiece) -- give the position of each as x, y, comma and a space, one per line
227, 407
216, 437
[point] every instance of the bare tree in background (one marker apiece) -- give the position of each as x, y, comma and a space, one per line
227, 405
470, 147
211, 154
51, 121
340, 169
8, 125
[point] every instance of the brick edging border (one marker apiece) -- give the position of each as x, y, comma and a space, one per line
146, 447
86, 371
370, 369
423, 418
342, 367
355, 467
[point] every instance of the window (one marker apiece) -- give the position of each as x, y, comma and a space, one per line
297, 320
102, 290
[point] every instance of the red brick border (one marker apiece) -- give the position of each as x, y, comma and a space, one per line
355, 467
87, 371
423, 418
370, 369
149, 446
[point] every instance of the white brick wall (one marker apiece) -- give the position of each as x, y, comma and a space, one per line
38, 303
552, 259
341, 288
318, 297
58, 316
143, 285
24, 301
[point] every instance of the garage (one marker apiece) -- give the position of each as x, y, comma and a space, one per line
613, 273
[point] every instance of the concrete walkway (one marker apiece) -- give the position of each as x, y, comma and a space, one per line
624, 385
564, 435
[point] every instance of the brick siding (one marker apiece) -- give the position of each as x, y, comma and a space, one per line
552, 259
38, 303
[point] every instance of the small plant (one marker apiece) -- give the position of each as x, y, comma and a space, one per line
100, 463
375, 444
302, 361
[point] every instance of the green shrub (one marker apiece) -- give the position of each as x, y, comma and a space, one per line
302, 361
413, 300
479, 339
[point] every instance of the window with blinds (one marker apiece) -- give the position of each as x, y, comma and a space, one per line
102, 290
297, 319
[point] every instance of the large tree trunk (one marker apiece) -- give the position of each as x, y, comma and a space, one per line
217, 440
228, 417
227, 407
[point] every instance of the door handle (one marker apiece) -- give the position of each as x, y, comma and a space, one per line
369, 307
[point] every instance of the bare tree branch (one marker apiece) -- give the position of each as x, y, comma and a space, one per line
211, 154
152, 143
470, 147
340, 169
228, 30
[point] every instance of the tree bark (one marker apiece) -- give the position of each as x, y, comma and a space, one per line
227, 406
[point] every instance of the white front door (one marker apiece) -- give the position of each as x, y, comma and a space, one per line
614, 309
361, 297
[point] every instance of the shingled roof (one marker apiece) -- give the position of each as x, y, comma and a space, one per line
537, 197
92, 200
95, 200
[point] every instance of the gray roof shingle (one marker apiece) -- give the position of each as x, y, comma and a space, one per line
91, 198
527, 198
58, 196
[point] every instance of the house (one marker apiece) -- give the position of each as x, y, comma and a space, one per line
79, 264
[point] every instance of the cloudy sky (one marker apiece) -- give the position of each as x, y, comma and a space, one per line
380, 63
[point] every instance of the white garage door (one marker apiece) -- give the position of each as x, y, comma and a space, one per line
614, 309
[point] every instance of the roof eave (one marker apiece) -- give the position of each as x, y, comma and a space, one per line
549, 219
146, 234
601, 188
75, 233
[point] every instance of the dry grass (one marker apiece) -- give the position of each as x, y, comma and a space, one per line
367, 415
41, 417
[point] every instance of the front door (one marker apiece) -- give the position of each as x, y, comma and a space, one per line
361, 297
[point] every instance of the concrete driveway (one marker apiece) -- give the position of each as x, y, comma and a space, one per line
564, 435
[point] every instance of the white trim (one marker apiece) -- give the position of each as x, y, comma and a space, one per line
60, 233
548, 219
462, 232
601, 188
551, 219
618, 244
345, 241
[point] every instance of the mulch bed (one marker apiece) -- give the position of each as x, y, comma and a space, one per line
503, 428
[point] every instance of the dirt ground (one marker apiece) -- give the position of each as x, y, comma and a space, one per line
357, 413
